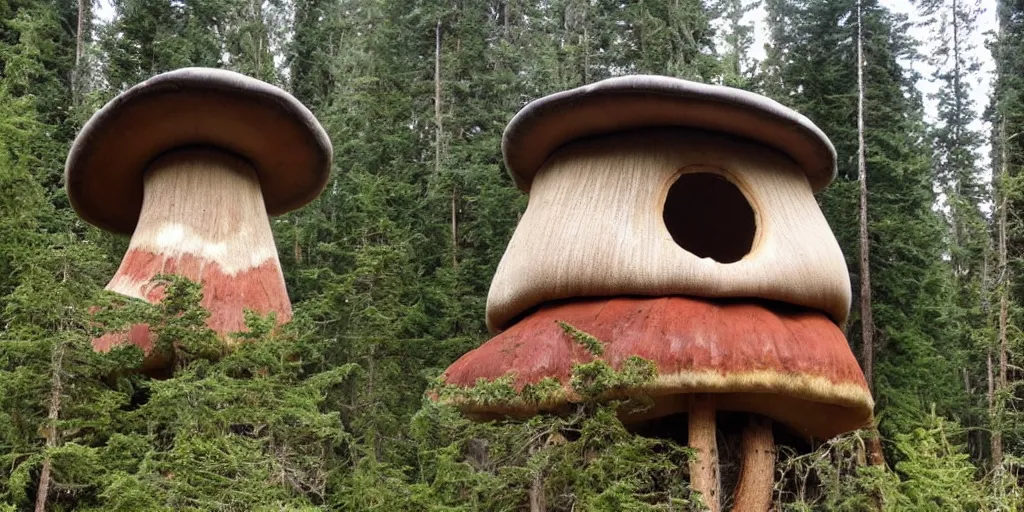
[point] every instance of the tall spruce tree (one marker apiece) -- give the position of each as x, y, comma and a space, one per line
957, 174
737, 37
1006, 113
388, 270
811, 65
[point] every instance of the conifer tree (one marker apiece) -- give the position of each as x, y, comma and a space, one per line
389, 269
1006, 112
738, 38
811, 65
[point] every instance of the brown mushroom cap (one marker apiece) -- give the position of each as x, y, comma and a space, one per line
195, 107
792, 365
643, 101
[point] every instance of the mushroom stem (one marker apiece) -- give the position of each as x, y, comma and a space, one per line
757, 470
203, 217
704, 476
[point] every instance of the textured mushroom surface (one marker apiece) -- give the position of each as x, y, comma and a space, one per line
191, 163
643, 101
203, 218
792, 365
257, 121
596, 226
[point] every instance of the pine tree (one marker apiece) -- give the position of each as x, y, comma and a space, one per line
389, 269
811, 65
1006, 112
738, 69
956, 166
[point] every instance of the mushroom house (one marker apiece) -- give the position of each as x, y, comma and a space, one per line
676, 221
190, 163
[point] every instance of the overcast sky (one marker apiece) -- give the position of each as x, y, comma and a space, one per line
981, 83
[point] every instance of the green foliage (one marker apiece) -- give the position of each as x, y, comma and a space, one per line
937, 474
589, 382
585, 459
242, 430
927, 315
389, 269
590, 343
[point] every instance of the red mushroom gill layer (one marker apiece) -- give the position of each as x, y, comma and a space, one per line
792, 365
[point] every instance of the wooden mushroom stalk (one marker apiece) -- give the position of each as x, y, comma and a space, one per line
676, 221
190, 163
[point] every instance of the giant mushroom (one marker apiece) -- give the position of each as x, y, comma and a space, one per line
190, 163
676, 221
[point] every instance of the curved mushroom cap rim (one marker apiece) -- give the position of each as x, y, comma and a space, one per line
790, 364
209, 107
648, 101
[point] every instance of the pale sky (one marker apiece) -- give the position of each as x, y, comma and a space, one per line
986, 22
981, 83
104, 10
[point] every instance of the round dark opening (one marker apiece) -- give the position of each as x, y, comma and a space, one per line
707, 215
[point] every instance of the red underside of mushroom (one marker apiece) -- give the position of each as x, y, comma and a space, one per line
792, 365
226, 296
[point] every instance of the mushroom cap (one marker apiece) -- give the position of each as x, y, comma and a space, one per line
790, 364
262, 123
644, 101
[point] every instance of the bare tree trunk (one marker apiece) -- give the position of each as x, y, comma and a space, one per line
866, 319
79, 46
1004, 300
704, 475
439, 141
990, 394
875, 455
586, 56
56, 390
986, 309
537, 502
757, 470
438, 132
76, 72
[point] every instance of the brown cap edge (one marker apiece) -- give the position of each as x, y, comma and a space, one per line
208, 79
517, 134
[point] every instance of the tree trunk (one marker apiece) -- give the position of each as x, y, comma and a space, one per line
56, 390
990, 394
866, 319
455, 226
867, 323
537, 502
704, 476
1004, 299
437, 98
757, 472
76, 71
439, 141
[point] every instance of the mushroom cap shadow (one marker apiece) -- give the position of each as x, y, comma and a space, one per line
187, 107
645, 101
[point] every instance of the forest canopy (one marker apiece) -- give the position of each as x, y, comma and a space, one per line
388, 270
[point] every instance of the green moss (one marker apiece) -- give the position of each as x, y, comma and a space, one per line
587, 341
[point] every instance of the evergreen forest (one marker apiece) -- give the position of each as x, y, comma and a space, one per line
388, 270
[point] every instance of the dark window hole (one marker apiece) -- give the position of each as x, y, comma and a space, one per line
708, 216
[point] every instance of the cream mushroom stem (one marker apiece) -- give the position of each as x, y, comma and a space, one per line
704, 475
203, 217
757, 470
